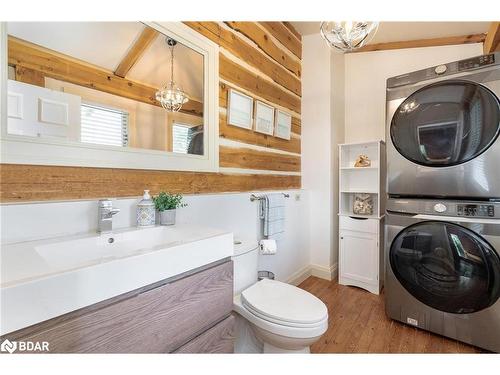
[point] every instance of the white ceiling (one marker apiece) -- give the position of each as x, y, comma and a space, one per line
104, 44
400, 31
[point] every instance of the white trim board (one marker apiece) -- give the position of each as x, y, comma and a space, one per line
257, 171
326, 273
237, 144
299, 276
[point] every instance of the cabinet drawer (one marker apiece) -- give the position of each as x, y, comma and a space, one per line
218, 339
359, 225
156, 321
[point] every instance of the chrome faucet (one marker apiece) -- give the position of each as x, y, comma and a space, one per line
105, 216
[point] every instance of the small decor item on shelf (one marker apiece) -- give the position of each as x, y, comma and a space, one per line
146, 211
363, 204
167, 204
362, 161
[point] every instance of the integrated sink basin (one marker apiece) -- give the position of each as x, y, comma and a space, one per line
47, 278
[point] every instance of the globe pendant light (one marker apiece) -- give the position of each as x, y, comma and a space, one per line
348, 35
171, 97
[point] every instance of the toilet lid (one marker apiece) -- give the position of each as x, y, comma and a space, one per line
284, 302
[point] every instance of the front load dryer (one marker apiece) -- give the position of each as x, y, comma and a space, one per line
442, 131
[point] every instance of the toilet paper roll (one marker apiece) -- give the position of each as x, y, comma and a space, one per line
268, 247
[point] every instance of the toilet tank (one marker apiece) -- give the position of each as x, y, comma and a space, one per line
245, 264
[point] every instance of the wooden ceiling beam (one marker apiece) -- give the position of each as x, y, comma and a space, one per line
147, 36
28, 58
434, 42
492, 41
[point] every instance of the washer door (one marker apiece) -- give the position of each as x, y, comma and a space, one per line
446, 123
446, 266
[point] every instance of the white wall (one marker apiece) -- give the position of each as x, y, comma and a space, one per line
338, 125
366, 74
322, 127
232, 212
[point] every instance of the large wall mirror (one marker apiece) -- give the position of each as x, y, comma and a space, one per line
109, 94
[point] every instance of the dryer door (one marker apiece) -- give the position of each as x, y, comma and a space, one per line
446, 266
446, 123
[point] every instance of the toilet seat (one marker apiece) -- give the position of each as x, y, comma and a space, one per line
284, 303
284, 323
283, 309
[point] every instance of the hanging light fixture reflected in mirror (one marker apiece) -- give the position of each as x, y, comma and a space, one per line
171, 97
348, 35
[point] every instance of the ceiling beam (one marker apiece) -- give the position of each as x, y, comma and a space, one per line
492, 41
28, 58
444, 41
147, 36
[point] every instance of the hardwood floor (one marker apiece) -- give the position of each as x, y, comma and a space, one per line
358, 324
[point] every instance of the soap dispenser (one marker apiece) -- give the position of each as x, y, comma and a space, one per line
146, 211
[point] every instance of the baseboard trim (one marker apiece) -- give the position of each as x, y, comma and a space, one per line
299, 276
327, 273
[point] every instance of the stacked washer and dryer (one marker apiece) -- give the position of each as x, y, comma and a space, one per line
442, 235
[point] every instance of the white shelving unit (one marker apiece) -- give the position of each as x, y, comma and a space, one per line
361, 236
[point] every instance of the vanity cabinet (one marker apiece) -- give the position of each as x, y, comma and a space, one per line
190, 313
218, 339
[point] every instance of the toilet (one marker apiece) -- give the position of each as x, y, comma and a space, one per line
272, 316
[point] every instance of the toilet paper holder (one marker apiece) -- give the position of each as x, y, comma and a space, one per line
265, 275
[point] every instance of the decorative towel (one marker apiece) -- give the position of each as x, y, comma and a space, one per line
272, 212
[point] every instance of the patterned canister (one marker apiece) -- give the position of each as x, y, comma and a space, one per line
146, 211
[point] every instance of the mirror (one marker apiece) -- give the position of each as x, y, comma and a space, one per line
98, 84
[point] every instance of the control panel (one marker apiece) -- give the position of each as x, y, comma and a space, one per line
476, 210
476, 62
444, 70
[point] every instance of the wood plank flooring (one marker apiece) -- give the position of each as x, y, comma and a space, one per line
358, 324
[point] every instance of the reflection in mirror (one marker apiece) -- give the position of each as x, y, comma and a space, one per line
96, 83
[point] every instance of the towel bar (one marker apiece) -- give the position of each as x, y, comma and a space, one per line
254, 197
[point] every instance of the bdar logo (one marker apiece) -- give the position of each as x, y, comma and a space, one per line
8, 346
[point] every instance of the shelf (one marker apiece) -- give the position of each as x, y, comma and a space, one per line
362, 216
374, 142
358, 168
359, 191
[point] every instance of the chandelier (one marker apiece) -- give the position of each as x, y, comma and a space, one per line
348, 35
171, 97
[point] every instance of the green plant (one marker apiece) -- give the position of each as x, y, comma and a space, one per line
167, 201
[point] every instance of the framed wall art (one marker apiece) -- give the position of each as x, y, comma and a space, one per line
240, 109
264, 118
283, 125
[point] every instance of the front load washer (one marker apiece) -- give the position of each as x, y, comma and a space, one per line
442, 130
442, 268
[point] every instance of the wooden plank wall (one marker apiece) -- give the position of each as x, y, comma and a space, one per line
260, 59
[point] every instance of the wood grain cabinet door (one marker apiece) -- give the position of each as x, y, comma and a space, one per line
218, 339
159, 320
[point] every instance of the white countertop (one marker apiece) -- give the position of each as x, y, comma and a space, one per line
43, 279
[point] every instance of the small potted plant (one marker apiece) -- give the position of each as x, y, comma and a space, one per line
166, 204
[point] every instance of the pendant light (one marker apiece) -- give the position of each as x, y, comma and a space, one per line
171, 97
348, 35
